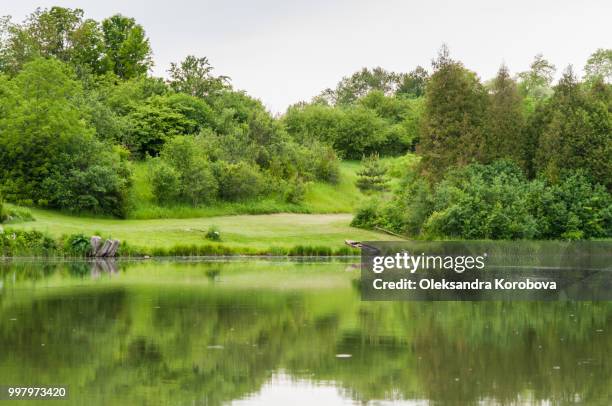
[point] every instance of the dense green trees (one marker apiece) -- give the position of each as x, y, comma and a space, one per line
496, 201
77, 105
599, 66
556, 144
454, 117
48, 153
577, 133
116, 45
376, 123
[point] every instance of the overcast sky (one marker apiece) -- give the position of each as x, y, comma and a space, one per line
284, 51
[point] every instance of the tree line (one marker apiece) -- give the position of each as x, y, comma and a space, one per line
508, 158
517, 156
78, 108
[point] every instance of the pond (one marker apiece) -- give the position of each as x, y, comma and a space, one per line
277, 332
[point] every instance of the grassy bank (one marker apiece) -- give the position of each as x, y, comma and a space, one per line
244, 234
320, 197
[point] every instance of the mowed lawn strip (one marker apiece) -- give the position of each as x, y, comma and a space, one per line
253, 231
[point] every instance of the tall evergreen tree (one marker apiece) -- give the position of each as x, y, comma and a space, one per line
578, 134
505, 122
454, 117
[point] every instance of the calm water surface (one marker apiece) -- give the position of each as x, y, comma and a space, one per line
279, 332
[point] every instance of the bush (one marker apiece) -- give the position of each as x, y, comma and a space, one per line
482, 202
181, 173
198, 183
326, 165
495, 201
213, 234
238, 181
25, 243
574, 208
165, 181
77, 245
368, 215
296, 191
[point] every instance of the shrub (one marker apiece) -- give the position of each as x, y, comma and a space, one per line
495, 201
574, 208
368, 215
238, 181
213, 234
325, 163
182, 173
198, 183
165, 181
482, 202
77, 245
296, 191
23, 243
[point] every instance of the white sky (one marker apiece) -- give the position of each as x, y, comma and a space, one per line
284, 51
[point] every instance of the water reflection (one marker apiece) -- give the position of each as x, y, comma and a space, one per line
258, 332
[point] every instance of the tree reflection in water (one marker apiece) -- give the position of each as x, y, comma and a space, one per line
208, 333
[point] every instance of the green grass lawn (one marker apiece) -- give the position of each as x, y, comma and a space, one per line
321, 220
343, 197
241, 231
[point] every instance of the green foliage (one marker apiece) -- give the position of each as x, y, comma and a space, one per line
127, 50
504, 133
599, 66
238, 181
537, 80
573, 208
193, 76
26, 243
165, 181
48, 154
352, 88
116, 45
161, 118
496, 201
182, 173
14, 215
372, 177
576, 133
482, 202
378, 123
453, 119
213, 233
322, 162
413, 84
368, 215
296, 191
77, 245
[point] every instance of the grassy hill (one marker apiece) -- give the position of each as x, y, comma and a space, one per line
320, 198
321, 220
